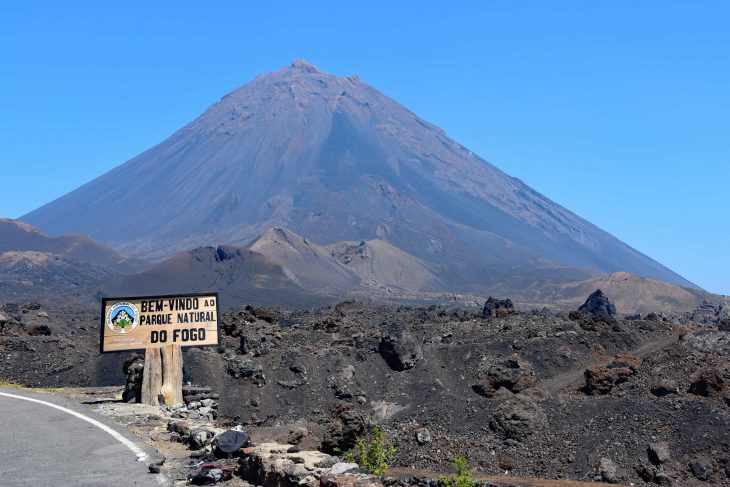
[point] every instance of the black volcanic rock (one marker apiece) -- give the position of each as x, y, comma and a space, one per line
598, 304
333, 159
399, 347
497, 308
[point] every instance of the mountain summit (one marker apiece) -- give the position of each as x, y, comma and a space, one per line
332, 159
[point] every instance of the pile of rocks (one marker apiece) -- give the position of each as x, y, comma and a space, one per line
277, 464
200, 402
198, 437
12, 323
133, 369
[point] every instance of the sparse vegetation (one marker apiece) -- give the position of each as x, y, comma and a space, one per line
375, 455
464, 475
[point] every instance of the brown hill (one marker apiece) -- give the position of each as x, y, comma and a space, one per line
344, 265
19, 236
635, 294
241, 276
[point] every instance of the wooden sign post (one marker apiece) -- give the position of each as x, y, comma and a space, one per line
161, 325
162, 377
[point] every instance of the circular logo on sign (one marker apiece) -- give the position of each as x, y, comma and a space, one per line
122, 318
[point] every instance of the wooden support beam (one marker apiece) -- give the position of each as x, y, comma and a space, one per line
162, 376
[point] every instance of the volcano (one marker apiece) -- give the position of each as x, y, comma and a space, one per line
333, 159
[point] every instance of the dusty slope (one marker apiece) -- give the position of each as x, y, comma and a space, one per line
344, 265
240, 276
32, 263
16, 235
332, 159
636, 294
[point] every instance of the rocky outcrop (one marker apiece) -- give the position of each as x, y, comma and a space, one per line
601, 379
710, 381
278, 465
518, 418
497, 308
512, 374
346, 427
598, 304
400, 348
709, 341
241, 368
133, 369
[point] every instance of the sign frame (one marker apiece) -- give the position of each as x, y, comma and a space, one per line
106, 299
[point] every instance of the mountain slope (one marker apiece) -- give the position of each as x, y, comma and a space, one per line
32, 262
332, 159
20, 237
344, 265
241, 276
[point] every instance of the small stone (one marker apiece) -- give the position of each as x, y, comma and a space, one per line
664, 480
423, 436
327, 462
342, 467
664, 388
658, 453
296, 435
608, 471
208, 403
702, 468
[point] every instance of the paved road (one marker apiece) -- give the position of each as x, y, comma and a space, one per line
43, 446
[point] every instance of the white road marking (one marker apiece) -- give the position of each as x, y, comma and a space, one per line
141, 455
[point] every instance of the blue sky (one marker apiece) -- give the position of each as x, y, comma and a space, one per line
619, 111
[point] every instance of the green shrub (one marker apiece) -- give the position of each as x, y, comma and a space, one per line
375, 455
464, 474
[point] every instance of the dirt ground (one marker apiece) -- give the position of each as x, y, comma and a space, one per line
533, 394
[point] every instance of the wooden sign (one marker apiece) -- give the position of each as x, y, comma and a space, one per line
187, 320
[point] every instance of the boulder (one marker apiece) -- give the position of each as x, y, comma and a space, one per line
255, 346
702, 468
658, 453
517, 418
423, 436
400, 348
724, 324
346, 427
601, 379
664, 388
383, 411
497, 308
39, 330
608, 471
342, 467
710, 381
246, 369
262, 314
512, 374
133, 368
297, 434
598, 304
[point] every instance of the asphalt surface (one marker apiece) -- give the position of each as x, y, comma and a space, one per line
44, 446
